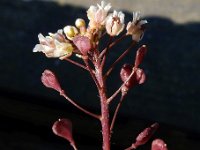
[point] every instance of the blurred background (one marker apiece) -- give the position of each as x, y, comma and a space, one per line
170, 95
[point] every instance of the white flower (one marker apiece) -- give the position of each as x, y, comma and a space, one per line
97, 14
54, 45
115, 23
134, 28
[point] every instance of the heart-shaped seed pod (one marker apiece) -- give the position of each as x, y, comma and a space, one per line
138, 77
158, 144
49, 79
82, 43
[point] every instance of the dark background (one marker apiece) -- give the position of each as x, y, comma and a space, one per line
28, 109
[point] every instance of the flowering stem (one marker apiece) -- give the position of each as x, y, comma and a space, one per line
116, 112
79, 107
104, 107
120, 58
91, 72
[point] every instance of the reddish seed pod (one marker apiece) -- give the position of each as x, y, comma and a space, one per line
158, 144
125, 73
49, 79
140, 55
138, 77
63, 128
145, 135
82, 43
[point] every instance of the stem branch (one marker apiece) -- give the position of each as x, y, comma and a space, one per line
79, 107
116, 112
76, 63
119, 58
120, 88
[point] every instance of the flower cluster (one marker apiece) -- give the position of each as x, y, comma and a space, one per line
82, 40
61, 44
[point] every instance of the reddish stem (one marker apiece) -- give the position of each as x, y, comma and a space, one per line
104, 107
119, 59
106, 51
76, 63
111, 45
79, 107
119, 89
116, 112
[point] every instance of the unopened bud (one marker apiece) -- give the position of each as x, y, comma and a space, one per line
70, 32
80, 23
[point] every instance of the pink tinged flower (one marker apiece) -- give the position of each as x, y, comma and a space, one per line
115, 23
82, 43
97, 14
140, 55
134, 28
54, 46
158, 144
63, 128
49, 79
145, 135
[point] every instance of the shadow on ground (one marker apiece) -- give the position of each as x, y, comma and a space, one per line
169, 96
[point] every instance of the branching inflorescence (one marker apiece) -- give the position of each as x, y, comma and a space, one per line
82, 41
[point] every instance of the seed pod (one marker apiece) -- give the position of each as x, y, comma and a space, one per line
145, 135
158, 144
49, 80
140, 55
125, 73
137, 78
63, 128
82, 43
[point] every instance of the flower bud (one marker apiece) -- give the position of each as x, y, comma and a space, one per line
70, 32
80, 23
158, 144
49, 80
63, 128
82, 43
